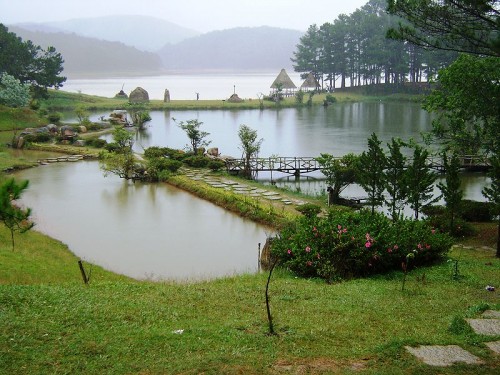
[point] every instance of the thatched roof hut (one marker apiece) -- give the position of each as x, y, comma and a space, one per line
310, 83
287, 86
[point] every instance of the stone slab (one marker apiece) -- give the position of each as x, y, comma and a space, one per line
488, 327
491, 314
495, 346
435, 355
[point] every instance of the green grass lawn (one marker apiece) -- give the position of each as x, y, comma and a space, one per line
51, 323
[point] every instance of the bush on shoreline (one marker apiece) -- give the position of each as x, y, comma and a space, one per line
352, 244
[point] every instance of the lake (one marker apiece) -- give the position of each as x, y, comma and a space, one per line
155, 232
183, 86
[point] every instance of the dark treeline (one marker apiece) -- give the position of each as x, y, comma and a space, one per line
354, 48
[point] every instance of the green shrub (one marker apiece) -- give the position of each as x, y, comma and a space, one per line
155, 152
54, 117
432, 210
196, 161
309, 210
330, 99
216, 165
96, 142
461, 228
299, 97
349, 244
474, 211
112, 147
38, 137
159, 169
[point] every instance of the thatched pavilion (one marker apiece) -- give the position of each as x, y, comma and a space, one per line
310, 83
284, 82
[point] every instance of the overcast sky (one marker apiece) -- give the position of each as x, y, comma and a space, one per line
200, 15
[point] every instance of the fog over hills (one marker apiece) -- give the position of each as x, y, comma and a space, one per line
142, 32
89, 57
232, 50
245, 48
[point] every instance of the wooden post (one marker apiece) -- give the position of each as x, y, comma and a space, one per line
82, 271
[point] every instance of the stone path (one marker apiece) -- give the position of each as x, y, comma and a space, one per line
240, 188
436, 355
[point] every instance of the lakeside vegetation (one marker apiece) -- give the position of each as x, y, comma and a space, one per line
53, 323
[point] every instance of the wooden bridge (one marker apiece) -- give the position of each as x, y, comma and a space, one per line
299, 165
291, 165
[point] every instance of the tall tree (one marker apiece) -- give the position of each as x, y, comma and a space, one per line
119, 160
451, 191
307, 57
30, 63
197, 137
14, 217
370, 174
339, 173
470, 26
420, 181
467, 102
395, 180
493, 193
250, 146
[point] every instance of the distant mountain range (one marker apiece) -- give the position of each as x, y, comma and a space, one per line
256, 48
142, 32
139, 45
89, 57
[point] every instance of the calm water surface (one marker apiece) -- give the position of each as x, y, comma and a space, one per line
146, 231
154, 231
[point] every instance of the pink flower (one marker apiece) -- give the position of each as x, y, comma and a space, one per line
318, 256
309, 263
339, 227
289, 252
427, 246
433, 231
419, 246
308, 249
368, 244
396, 247
389, 250
314, 229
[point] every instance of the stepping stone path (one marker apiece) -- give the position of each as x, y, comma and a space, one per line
436, 355
239, 188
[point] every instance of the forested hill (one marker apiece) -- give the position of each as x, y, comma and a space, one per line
93, 57
256, 48
142, 32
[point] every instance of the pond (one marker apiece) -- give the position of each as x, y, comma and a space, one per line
145, 231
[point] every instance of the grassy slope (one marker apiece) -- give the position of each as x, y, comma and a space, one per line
52, 323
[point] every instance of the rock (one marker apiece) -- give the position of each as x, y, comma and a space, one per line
139, 95
214, 151
166, 96
79, 143
52, 128
82, 129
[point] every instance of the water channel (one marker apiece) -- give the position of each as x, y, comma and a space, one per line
153, 231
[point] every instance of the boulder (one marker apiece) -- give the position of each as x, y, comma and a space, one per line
82, 129
214, 151
166, 96
52, 128
79, 143
139, 95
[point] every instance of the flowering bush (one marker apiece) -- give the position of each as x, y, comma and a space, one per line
349, 244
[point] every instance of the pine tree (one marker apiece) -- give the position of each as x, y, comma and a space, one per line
395, 178
371, 174
451, 191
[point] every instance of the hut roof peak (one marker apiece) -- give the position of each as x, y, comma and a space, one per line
284, 79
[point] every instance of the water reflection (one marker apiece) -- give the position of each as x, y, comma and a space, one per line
141, 230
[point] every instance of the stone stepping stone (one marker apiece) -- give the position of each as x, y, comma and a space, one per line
260, 191
227, 182
273, 198
494, 346
491, 314
435, 355
269, 194
218, 186
488, 327
254, 195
